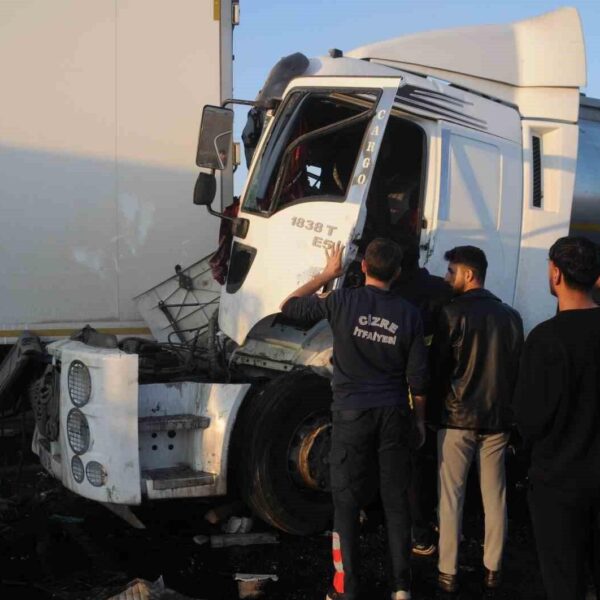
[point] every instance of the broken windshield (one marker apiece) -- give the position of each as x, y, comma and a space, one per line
311, 152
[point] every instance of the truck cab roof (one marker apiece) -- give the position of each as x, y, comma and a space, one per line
545, 51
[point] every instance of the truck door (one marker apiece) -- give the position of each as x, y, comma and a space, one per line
479, 204
304, 194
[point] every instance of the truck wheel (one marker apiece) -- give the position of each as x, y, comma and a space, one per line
284, 448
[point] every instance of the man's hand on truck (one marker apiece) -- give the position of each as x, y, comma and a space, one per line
332, 270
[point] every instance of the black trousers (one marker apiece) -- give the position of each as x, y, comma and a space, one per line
567, 533
370, 446
419, 504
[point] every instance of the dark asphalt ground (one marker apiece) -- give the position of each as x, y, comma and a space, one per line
54, 544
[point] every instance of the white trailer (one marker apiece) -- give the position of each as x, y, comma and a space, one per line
477, 135
100, 107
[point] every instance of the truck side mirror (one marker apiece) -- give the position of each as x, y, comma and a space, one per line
205, 189
214, 142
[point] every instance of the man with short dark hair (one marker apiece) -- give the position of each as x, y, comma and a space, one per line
378, 355
475, 353
557, 406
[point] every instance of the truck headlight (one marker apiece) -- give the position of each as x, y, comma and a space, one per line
80, 383
77, 469
78, 431
96, 473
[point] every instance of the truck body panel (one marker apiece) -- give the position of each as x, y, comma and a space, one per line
585, 218
120, 440
96, 452
97, 136
480, 180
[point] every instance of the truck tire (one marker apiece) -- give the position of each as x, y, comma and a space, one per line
283, 469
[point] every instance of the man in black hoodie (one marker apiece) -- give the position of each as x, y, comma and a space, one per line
475, 352
557, 405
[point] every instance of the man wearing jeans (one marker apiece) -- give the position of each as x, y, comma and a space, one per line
378, 353
475, 353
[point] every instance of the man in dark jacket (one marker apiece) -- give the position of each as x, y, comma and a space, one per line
475, 351
429, 294
557, 406
378, 355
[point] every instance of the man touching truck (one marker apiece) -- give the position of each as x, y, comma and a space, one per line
378, 355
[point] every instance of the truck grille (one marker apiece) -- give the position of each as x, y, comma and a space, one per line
80, 383
78, 431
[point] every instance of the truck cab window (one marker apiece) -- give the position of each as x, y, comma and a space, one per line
394, 202
311, 152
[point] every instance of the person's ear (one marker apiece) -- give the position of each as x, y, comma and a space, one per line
363, 266
557, 276
469, 275
396, 274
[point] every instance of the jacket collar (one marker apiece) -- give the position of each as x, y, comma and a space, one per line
477, 294
377, 290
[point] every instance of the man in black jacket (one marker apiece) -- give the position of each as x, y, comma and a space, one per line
429, 294
378, 355
557, 405
475, 352
415, 284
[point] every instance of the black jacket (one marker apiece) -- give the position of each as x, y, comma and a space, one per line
557, 400
425, 291
475, 354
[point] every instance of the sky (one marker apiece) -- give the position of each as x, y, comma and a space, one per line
271, 29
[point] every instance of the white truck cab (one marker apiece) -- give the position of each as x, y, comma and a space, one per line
460, 111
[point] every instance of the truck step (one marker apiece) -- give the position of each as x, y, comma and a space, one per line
172, 423
177, 477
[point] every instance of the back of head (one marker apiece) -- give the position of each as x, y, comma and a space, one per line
409, 245
471, 257
383, 258
578, 259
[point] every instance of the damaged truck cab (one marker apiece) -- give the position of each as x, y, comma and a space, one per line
466, 136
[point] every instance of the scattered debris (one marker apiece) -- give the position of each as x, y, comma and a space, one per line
140, 589
238, 525
215, 515
252, 585
66, 519
201, 539
124, 512
243, 539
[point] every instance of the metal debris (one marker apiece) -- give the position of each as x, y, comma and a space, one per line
140, 589
201, 539
243, 539
253, 585
238, 525
217, 514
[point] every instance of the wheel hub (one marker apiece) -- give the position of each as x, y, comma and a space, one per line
309, 453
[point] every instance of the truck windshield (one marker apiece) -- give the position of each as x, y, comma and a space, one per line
311, 151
